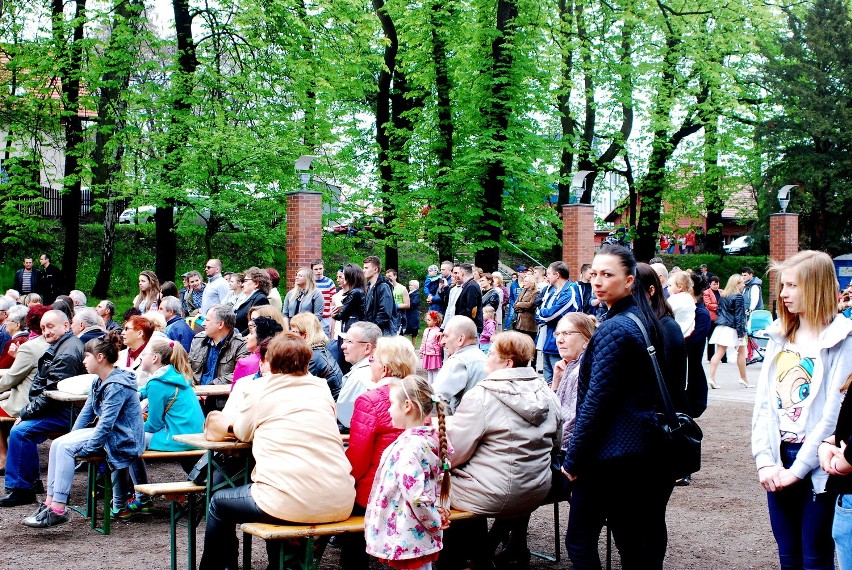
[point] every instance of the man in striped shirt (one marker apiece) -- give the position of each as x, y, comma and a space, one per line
327, 288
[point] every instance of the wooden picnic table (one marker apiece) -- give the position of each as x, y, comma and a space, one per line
69, 397
212, 447
212, 390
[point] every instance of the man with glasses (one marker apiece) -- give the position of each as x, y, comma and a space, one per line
217, 289
358, 347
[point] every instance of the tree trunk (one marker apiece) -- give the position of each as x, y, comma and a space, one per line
69, 75
497, 115
107, 168
566, 119
165, 235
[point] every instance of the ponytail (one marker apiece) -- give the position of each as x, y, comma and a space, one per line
171, 352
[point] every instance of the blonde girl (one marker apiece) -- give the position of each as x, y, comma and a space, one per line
730, 329
797, 402
412, 485
304, 297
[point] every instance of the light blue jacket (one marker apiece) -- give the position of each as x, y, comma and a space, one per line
168, 386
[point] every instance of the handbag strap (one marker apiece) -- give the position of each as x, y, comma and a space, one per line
671, 418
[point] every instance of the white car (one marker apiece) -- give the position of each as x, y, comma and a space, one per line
739, 246
140, 215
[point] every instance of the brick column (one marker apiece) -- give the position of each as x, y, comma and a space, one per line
578, 236
783, 243
304, 231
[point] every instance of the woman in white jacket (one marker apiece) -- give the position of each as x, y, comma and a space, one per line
798, 399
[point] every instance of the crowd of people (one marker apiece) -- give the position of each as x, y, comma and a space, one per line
535, 390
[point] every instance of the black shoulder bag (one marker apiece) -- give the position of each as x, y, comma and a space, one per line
681, 434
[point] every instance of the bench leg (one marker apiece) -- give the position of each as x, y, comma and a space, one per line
557, 556
191, 524
173, 516
246, 551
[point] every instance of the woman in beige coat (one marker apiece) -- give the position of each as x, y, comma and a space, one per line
525, 307
301, 473
504, 434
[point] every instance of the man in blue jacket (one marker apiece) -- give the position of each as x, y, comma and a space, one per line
558, 298
176, 327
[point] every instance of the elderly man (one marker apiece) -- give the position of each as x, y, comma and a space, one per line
214, 352
79, 299
5, 304
41, 416
469, 301
465, 363
176, 327
106, 309
87, 324
358, 346
26, 278
217, 289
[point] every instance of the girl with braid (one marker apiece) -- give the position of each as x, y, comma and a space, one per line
407, 510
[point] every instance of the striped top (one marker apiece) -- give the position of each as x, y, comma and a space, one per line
327, 288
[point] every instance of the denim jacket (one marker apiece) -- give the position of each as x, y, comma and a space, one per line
114, 403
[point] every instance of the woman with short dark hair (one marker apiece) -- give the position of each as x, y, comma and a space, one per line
256, 285
301, 473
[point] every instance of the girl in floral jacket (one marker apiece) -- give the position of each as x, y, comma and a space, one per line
406, 514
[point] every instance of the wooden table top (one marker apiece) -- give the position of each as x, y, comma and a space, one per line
212, 389
198, 440
61, 396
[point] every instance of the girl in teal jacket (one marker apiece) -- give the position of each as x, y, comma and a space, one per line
173, 407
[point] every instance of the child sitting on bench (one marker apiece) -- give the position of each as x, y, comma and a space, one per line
113, 408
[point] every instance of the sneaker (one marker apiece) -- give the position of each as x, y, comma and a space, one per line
45, 517
145, 505
122, 514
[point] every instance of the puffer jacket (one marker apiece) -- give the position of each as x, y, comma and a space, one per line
114, 403
322, 365
525, 310
731, 311
62, 360
370, 433
505, 434
618, 397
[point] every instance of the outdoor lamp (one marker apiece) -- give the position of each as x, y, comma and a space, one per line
784, 197
303, 166
578, 184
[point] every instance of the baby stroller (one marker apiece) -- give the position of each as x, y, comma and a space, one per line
756, 326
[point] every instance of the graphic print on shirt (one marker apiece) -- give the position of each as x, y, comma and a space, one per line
793, 388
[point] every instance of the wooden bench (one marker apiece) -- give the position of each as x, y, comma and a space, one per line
178, 493
309, 559
95, 474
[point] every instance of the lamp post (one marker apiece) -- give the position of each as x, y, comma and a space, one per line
784, 197
578, 185
303, 167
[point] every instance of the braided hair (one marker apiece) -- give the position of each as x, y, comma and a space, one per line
419, 392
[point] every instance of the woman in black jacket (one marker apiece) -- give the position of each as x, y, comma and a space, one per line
730, 329
256, 286
616, 456
322, 364
352, 308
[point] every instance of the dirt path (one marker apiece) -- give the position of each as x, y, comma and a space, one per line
718, 522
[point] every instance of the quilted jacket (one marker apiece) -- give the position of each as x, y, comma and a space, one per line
370, 433
618, 397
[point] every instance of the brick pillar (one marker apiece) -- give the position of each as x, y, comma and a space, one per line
304, 231
578, 236
783, 243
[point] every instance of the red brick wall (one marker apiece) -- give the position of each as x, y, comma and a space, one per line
578, 241
304, 232
783, 243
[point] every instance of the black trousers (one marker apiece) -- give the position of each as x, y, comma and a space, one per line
633, 504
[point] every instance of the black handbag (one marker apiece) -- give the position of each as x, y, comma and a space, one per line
680, 432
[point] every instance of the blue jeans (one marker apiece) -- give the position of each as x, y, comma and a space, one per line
550, 361
22, 467
801, 521
842, 531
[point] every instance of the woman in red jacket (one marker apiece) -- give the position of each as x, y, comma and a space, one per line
371, 432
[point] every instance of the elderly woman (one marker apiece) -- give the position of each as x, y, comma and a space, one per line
301, 474
20, 374
322, 363
505, 433
371, 432
304, 297
16, 326
136, 333
256, 285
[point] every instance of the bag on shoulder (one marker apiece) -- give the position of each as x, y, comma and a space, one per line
218, 427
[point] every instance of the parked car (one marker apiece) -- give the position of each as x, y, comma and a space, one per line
140, 215
740, 246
